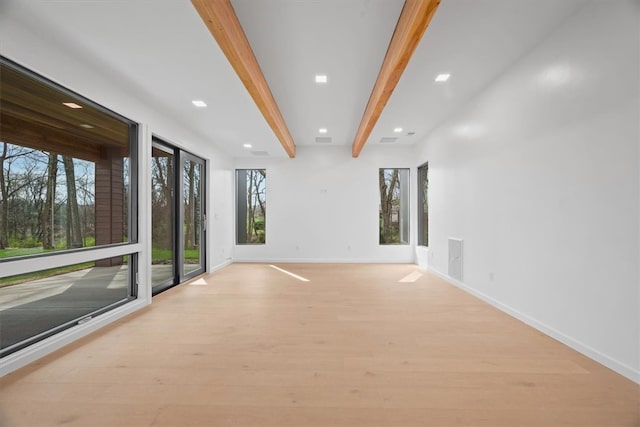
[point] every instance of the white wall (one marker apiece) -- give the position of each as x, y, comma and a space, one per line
323, 206
220, 216
539, 175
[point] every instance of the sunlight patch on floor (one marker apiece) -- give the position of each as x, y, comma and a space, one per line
302, 279
199, 282
410, 278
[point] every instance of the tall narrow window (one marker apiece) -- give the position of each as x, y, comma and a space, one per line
251, 206
394, 206
423, 205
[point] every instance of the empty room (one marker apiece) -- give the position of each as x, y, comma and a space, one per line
320, 213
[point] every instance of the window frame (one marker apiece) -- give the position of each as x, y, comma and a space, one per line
404, 211
237, 210
423, 199
17, 265
134, 131
183, 156
179, 155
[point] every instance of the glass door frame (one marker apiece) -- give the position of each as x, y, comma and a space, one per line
177, 206
183, 157
173, 280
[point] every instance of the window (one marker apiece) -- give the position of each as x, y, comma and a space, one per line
251, 206
65, 179
67, 200
394, 206
38, 304
423, 205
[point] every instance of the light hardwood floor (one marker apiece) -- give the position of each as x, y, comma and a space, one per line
252, 346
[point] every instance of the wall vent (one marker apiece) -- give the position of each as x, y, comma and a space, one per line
455, 259
388, 139
323, 139
260, 153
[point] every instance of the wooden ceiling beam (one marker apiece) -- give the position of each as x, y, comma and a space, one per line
221, 19
413, 21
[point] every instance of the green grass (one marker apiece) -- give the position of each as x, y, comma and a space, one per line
11, 252
161, 254
61, 245
14, 280
158, 254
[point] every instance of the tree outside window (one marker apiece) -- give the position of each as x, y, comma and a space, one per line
423, 205
394, 206
251, 206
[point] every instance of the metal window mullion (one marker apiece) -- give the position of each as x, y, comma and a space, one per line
404, 206
241, 206
26, 265
200, 163
204, 228
179, 217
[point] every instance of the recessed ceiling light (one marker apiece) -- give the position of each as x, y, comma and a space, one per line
247, 145
321, 78
322, 130
199, 104
441, 78
72, 105
86, 126
397, 130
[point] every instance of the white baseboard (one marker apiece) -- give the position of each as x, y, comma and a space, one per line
220, 266
603, 359
42, 348
321, 261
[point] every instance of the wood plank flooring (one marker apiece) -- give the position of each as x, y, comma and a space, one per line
252, 346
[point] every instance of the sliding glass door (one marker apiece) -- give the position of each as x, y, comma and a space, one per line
192, 217
178, 215
163, 272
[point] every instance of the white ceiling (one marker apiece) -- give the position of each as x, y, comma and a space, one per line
161, 51
295, 40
